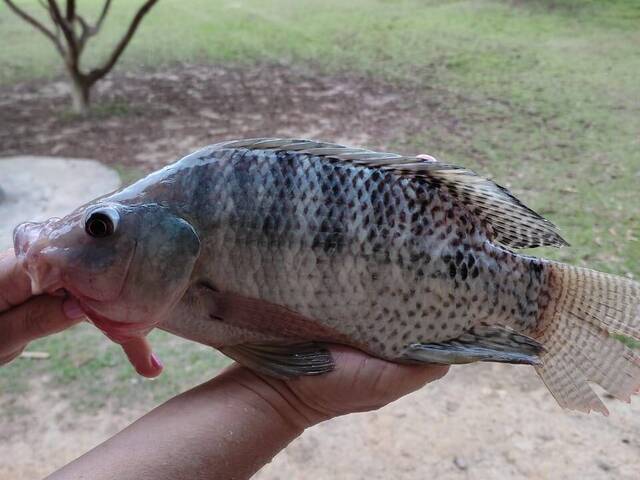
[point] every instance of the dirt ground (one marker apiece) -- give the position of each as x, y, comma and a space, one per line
479, 422
148, 119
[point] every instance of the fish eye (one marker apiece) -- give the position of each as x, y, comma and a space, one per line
101, 223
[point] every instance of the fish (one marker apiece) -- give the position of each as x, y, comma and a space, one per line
271, 249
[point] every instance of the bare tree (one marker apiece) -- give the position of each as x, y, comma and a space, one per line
69, 36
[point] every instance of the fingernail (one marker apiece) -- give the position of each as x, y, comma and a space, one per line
155, 361
72, 310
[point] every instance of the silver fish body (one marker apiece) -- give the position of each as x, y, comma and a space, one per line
382, 260
261, 247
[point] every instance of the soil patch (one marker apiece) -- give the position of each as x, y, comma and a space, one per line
145, 119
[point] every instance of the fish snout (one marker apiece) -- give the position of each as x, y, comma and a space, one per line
37, 257
24, 235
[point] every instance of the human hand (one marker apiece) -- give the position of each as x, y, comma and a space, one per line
23, 317
359, 383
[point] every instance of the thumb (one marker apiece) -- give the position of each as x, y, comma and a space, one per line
41, 316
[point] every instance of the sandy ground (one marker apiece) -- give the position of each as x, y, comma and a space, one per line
479, 422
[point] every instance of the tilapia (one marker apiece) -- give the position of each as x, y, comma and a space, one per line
269, 249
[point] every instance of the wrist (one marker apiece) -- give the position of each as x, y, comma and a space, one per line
277, 399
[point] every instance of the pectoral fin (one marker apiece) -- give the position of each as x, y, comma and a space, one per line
283, 361
481, 344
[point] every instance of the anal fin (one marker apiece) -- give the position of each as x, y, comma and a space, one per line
282, 361
490, 343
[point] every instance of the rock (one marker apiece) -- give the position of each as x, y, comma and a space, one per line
604, 466
452, 406
460, 463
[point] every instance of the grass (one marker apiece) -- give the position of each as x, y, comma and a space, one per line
103, 110
628, 341
93, 373
128, 174
551, 110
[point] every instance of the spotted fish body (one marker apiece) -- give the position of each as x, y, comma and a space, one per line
382, 260
259, 247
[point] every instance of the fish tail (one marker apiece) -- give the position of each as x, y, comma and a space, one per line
580, 329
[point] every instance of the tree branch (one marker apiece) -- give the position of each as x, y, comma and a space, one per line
44, 5
105, 10
71, 10
85, 32
36, 24
98, 73
69, 35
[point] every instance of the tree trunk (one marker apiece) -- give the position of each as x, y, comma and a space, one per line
80, 90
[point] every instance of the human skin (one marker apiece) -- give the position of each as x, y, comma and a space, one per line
231, 426
24, 318
227, 428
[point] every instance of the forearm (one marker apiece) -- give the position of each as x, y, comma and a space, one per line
230, 427
227, 428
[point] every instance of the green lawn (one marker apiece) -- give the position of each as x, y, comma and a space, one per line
89, 372
553, 111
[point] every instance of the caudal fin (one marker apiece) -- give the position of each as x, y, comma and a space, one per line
576, 329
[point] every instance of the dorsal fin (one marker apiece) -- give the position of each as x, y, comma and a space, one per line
512, 223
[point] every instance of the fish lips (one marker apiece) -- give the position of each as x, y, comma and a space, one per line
119, 332
31, 251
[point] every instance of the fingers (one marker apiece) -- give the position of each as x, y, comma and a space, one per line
39, 317
132, 340
131, 336
403, 379
15, 285
358, 383
139, 353
45, 315
417, 376
384, 380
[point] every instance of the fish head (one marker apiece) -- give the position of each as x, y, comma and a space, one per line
126, 265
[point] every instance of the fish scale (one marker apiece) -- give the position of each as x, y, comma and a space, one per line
268, 249
374, 245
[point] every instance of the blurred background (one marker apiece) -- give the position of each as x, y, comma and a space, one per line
541, 95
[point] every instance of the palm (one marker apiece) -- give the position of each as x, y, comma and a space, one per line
361, 383
358, 383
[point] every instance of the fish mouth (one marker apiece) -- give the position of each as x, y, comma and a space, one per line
28, 248
119, 332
